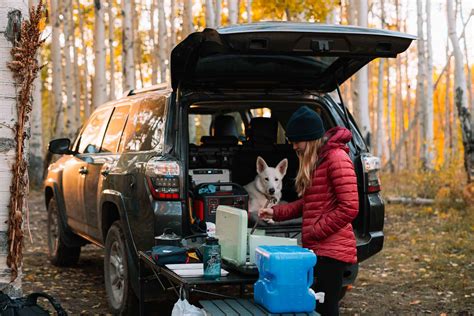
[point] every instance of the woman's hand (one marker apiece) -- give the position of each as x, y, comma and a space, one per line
265, 213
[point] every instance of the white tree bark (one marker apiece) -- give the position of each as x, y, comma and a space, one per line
388, 143
188, 26
233, 11
218, 6
111, 21
363, 81
421, 75
76, 73
172, 36
8, 119
380, 111
128, 68
210, 14
162, 40
70, 126
352, 101
87, 104
99, 95
154, 64
249, 11
460, 92
57, 67
428, 112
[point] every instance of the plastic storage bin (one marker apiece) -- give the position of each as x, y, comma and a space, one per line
285, 275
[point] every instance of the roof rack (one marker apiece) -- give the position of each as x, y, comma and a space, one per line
156, 87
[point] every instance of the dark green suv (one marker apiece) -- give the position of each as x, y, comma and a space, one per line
134, 167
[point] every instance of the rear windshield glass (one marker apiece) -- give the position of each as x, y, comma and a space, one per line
264, 66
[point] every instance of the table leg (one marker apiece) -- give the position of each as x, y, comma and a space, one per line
141, 300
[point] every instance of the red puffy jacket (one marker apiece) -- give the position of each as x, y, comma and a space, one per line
330, 204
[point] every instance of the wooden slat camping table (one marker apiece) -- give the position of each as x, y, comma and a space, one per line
245, 307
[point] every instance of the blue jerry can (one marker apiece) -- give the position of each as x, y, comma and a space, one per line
285, 275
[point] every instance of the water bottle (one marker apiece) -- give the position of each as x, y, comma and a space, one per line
212, 258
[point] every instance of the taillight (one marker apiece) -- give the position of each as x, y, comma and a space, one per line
371, 166
163, 179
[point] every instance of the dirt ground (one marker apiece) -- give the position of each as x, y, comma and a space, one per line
426, 267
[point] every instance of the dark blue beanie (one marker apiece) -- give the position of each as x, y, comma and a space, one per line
305, 124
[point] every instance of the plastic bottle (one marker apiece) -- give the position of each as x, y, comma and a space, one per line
212, 258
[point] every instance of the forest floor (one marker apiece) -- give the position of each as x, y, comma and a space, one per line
425, 267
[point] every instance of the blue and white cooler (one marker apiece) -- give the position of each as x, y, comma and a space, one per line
285, 277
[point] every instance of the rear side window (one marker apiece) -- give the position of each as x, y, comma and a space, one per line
93, 132
115, 129
145, 125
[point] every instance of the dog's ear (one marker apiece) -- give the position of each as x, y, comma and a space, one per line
261, 164
282, 166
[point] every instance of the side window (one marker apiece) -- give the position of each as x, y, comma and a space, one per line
93, 133
115, 129
145, 125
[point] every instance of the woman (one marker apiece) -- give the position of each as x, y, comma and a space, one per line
327, 186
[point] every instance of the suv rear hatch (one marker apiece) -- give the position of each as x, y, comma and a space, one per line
280, 55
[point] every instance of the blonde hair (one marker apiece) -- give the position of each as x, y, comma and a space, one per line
308, 160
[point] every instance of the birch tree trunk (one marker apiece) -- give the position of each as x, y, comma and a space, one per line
389, 149
362, 82
57, 66
188, 26
470, 100
111, 50
210, 16
162, 40
460, 91
421, 75
76, 74
233, 11
428, 154
154, 64
249, 11
99, 95
380, 97
87, 104
70, 127
448, 144
8, 119
353, 100
380, 111
172, 36
35, 159
218, 21
128, 67
137, 43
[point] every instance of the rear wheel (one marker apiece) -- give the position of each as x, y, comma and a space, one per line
59, 254
120, 294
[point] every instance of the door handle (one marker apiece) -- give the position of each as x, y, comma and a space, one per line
105, 172
83, 170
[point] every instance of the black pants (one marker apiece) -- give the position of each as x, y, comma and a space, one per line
328, 279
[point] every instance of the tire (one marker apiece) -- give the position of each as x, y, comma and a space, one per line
59, 254
120, 295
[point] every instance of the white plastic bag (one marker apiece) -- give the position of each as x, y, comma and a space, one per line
183, 308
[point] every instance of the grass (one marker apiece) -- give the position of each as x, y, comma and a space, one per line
427, 263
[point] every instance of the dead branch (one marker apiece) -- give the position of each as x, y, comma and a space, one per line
25, 68
409, 200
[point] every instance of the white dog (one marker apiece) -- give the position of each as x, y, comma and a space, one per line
266, 186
